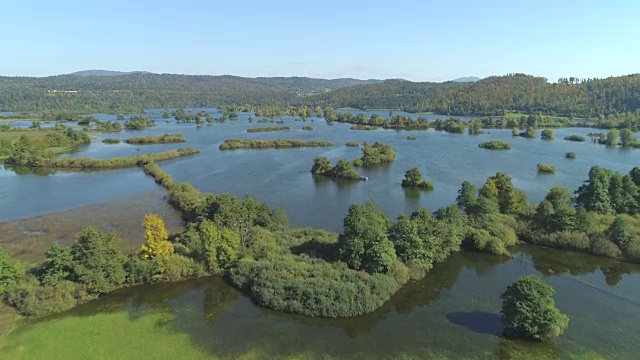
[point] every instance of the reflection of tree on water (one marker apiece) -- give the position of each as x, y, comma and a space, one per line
555, 263
218, 297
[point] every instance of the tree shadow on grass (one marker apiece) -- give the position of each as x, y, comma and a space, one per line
477, 321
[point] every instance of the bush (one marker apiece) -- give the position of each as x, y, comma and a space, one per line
307, 128
353, 144
495, 145
268, 129
411, 138
177, 267
570, 155
604, 247
162, 139
312, 287
547, 169
31, 299
547, 134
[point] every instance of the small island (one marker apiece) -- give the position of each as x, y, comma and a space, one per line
156, 139
231, 144
376, 153
546, 169
547, 134
575, 138
269, 129
308, 128
110, 141
570, 155
353, 143
413, 179
412, 138
342, 170
363, 127
495, 145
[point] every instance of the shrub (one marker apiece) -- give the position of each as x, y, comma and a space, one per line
269, 129
152, 139
547, 134
353, 143
411, 138
31, 299
307, 128
570, 155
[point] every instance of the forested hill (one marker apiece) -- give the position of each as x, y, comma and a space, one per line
489, 96
130, 93
493, 95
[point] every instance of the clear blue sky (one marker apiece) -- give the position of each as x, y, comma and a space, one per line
415, 40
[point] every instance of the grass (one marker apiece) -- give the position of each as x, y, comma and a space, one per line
15, 135
101, 336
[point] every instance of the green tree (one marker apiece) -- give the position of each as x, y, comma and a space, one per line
467, 197
547, 134
500, 188
528, 309
220, 245
620, 235
59, 265
97, 263
628, 138
612, 137
321, 165
363, 243
593, 195
556, 212
8, 271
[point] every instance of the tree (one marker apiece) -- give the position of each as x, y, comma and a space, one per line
628, 138
547, 134
593, 195
156, 234
321, 165
556, 212
413, 178
467, 197
528, 309
220, 245
612, 138
97, 263
8, 271
59, 265
500, 188
620, 235
364, 244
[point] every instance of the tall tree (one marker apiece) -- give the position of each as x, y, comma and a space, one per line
158, 245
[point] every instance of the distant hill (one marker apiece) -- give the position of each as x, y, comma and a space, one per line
467, 79
106, 73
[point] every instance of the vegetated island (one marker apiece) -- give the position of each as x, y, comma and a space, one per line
232, 144
546, 169
353, 144
342, 170
495, 145
308, 128
577, 138
413, 179
111, 141
570, 155
269, 129
364, 127
156, 139
376, 153
138, 123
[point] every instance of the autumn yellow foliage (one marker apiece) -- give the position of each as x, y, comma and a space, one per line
156, 234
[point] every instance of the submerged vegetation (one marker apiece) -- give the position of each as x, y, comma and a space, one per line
159, 139
231, 144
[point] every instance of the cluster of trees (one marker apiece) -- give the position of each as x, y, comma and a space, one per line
342, 170
375, 120
159, 139
138, 123
413, 179
181, 116
268, 129
231, 144
109, 126
376, 153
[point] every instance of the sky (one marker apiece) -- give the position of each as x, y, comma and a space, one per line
414, 40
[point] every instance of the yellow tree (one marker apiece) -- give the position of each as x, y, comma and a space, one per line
156, 234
